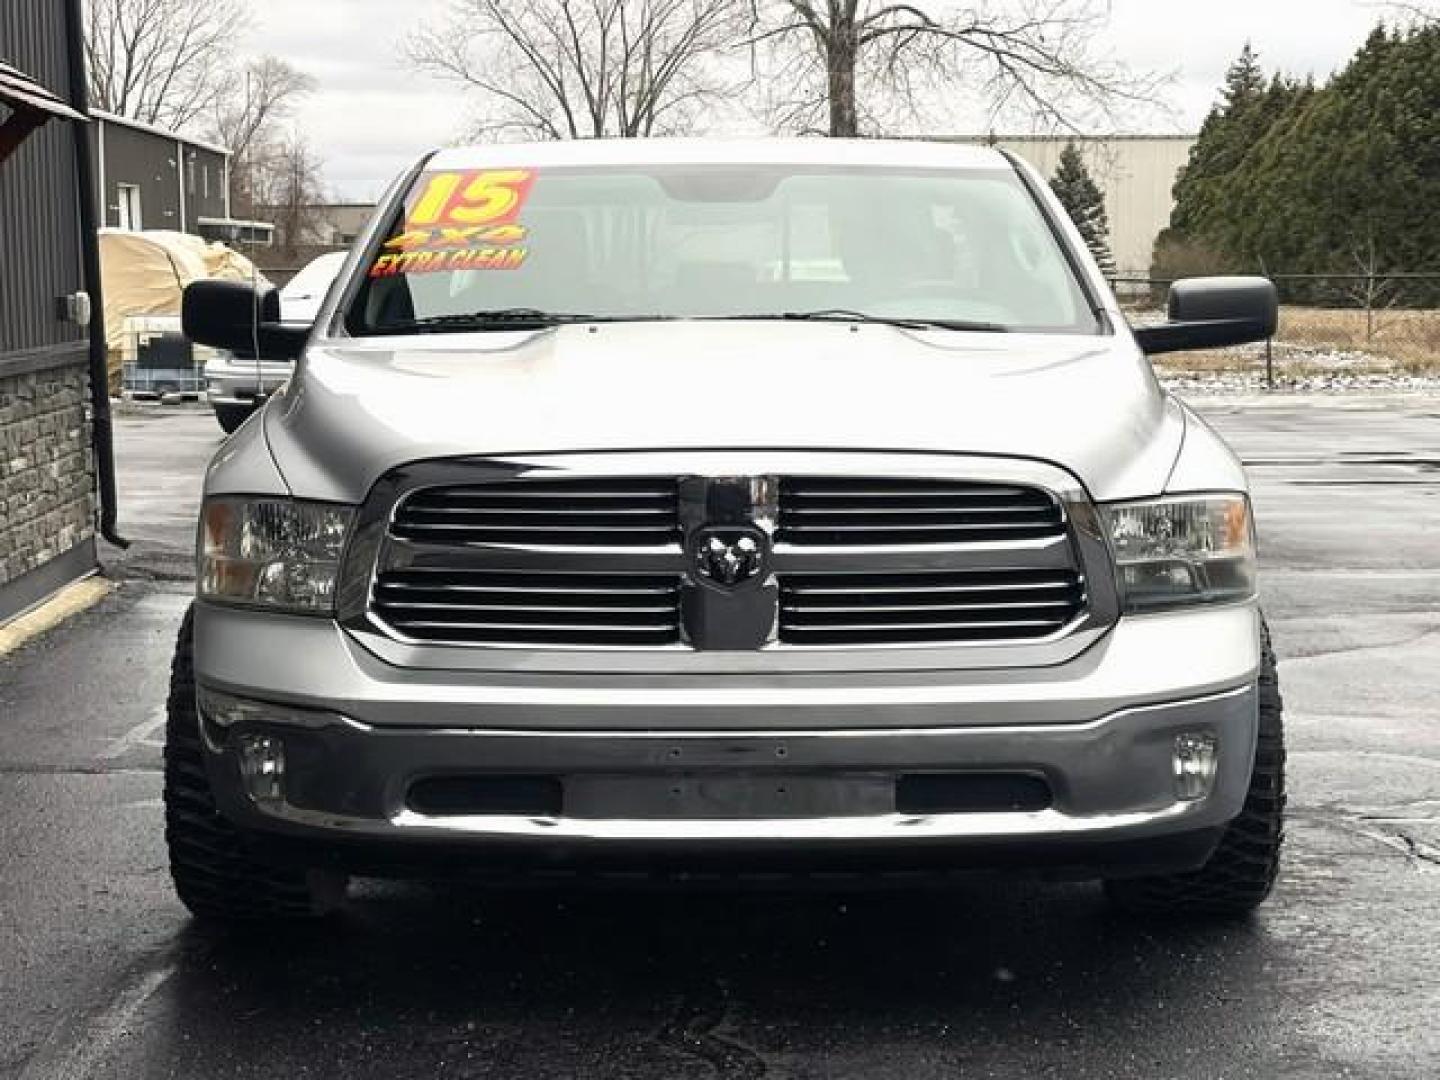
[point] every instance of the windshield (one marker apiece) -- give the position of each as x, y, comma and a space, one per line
964, 248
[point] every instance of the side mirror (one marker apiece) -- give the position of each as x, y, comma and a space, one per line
237, 317
1213, 313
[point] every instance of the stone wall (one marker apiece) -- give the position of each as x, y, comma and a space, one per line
47, 477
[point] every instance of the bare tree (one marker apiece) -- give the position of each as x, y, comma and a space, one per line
1369, 288
573, 69
248, 121
288, 187
840, 63
1415, 12
162, 62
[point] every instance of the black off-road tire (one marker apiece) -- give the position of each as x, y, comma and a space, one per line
215, 877
230, 417
1242, 871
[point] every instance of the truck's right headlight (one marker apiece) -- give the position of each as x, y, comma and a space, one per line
273, 553
1187, 549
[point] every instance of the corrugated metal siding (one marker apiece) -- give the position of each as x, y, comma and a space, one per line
149, 162
39, 230
207, 197
153, 163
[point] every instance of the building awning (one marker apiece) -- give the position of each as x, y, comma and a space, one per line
236, 231
30, 106
23, 94
235, 224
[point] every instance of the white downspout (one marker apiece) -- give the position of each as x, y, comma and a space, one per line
100, 156
180, 176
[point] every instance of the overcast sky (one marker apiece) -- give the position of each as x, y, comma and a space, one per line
371, 116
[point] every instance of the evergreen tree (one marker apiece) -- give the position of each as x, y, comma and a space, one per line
1085, 202
1242, 116
1349, 180
1288, 177
1244, 81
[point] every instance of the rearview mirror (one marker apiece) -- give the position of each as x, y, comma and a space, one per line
240, 318
1213, 313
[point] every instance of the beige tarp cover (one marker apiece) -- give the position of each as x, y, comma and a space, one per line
145, 273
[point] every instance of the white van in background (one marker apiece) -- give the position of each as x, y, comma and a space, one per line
236, 384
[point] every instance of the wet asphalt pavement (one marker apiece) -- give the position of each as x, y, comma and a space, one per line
103, 976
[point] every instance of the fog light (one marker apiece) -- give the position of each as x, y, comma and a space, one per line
262, 767
1197, 759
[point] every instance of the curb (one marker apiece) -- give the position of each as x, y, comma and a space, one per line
74, 598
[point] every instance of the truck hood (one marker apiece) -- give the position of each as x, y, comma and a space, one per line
1091, 405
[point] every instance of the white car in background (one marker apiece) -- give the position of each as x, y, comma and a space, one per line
236, 383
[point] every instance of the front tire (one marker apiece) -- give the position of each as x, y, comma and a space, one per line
1241, 873
215, 876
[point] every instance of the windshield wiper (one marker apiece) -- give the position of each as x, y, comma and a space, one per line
519, 318
901, 321
524, 318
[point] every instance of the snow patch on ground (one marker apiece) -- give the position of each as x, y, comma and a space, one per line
1324, 382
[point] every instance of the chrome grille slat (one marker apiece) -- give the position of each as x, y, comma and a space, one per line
907, 527
987, 625
933, 588
819, 487
545, 609
529, 529
806, 511
542, 513
556, 627
401, 588
832, 609
539, 490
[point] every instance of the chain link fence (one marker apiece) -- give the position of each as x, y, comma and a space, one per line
1336, 331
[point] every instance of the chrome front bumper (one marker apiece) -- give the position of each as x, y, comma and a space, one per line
739, 761
230, 381
1110, 778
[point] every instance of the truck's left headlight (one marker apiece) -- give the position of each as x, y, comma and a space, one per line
1182, 550
273, 553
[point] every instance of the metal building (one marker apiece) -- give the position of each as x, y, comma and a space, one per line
1137, 174
54, 416
150, 178
323, 225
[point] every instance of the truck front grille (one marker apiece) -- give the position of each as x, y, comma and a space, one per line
548, 558
609, 512
485, 607
926, 608
881, 511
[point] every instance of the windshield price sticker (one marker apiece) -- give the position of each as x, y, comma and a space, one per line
461, 221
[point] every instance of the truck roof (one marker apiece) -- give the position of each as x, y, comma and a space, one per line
797, 151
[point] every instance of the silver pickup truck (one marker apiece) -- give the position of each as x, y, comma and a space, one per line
700, 510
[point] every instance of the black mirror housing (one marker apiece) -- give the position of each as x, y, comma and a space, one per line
1213, 313
238, 317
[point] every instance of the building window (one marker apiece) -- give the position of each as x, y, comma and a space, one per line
129, 199
205, 180
190, 172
